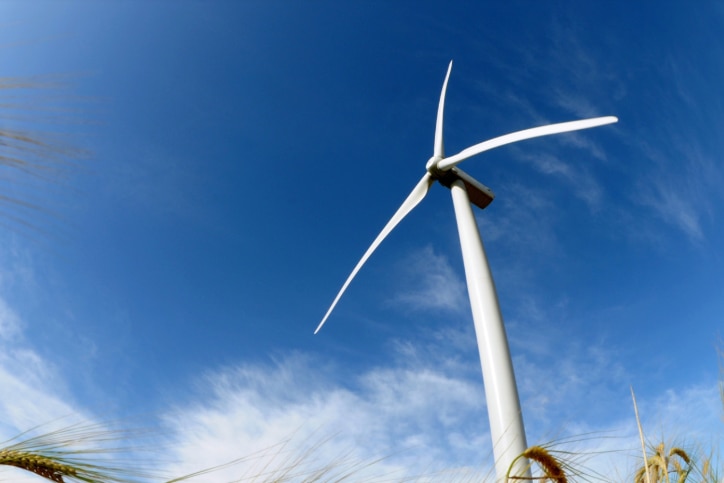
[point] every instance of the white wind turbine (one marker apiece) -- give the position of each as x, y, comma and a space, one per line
501, 393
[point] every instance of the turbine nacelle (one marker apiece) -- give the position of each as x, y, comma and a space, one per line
479, 194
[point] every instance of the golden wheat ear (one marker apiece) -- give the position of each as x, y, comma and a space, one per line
681, 472
38, 464
91, 453
552, 468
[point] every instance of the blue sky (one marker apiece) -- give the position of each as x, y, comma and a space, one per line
243, 155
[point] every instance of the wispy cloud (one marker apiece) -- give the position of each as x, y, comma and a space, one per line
673, 185
430, 283
32, 391
417, 418
692, 414
576, 103
681, 186
525, 224
9, 322
670, 205
579, 179
421, 418
423, 413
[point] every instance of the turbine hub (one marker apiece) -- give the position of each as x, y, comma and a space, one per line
432, 168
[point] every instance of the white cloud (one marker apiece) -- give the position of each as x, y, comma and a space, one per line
32, 392
418, 419
671, 206
693, 415
429, 282
580, 141
421, 414
421, 417
525, 226
9, 322
581, 182
576, 104
680, 187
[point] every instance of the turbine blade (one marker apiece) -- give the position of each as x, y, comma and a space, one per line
439, 149
412, 200
535, 132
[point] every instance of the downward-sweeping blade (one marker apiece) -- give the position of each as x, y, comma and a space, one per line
535, 132
413, 199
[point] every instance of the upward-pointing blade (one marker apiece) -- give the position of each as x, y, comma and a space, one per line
439, 149
412, 200
535, 132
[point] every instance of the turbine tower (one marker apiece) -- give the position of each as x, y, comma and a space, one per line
501, 393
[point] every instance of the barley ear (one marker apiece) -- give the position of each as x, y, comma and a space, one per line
77, 453
38, 464
551, 467
660, 464
681, 472
706, 471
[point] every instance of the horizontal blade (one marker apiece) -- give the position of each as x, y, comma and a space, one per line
413, 199
535, 132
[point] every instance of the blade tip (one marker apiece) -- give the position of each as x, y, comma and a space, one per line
319, 327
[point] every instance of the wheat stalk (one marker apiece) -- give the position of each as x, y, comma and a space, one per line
643, 441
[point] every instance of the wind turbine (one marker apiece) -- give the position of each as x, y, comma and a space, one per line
501, 392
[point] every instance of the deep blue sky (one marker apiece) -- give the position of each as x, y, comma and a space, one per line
243, 155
